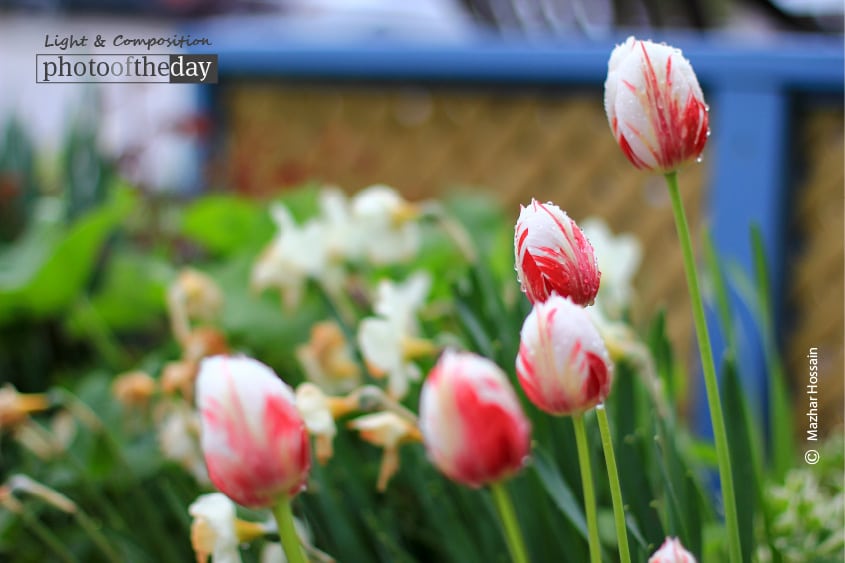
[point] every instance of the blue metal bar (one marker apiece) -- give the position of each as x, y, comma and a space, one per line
805, 62
748, 187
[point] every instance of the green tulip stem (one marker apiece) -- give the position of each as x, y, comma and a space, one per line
615, 488
709, 370
287, 531
587, 484
513, 535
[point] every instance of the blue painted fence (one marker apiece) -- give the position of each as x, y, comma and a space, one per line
750, 84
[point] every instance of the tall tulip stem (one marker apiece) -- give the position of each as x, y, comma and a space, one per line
615, 488
587, 484
287, 531
709, 370
513, 535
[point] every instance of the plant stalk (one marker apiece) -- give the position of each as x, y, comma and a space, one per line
615, 488
709, 370
587, 484
513, 535
287, 531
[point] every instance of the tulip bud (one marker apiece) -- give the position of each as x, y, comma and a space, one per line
472, 424
672, 552
563, 365
654, 105
254, 441
553, 255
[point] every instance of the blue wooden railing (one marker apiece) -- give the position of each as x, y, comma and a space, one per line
750, 84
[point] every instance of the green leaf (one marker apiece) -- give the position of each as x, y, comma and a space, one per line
742, 464
225, 224
780, 411
720, 290
634, 443
53, 267
132, 294
559, 491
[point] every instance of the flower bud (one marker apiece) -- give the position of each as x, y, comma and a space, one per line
654, 105
472, 424
253, 438
563, 364
553, 255
672, 552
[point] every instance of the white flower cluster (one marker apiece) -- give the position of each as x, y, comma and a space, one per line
389, 341
376, 225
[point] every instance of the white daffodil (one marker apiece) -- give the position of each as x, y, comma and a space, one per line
213, 530
178, 438
297, 253
387, 225
401, 301
619, 257
314, 407
272, 552
389, 341
343, 235
217, 532
386, 430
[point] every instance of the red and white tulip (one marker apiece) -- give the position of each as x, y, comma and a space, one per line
472, 424
553, 255
563, 364
655, 106
253, 438
672, 552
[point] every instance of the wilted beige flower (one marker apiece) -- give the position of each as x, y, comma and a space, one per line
179, 377
134, 389
194, 295
327, 359
387, 430
16, 407
203, 342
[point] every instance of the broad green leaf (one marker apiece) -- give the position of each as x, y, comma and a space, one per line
60, 266
132, 293
226, 224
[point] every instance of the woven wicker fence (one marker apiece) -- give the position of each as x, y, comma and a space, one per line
815, 284
550, 145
